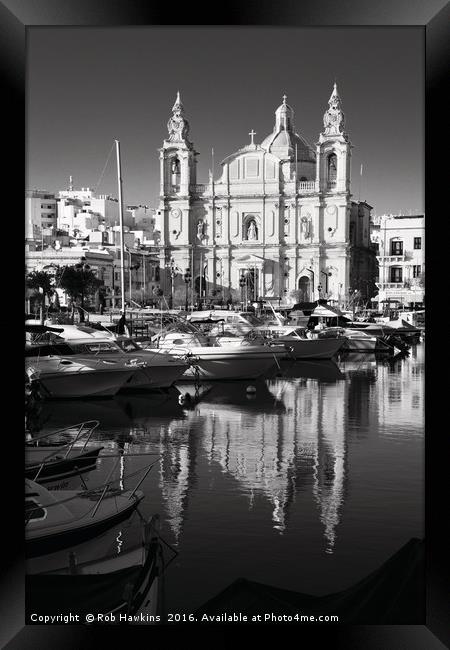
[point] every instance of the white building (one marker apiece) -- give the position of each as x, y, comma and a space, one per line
40, 214
276, 223
80, 211
142, 218
401, 257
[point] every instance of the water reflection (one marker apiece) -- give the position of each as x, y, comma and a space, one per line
176, 476
302, 454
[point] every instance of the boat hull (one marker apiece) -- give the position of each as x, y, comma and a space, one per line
84, 384
222, 363
56, 469
154, 377
49, 538
367, 344
313, 348
101, 589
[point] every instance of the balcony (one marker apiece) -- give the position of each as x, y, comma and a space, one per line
198, 188
391, 259
306, 187
391, 285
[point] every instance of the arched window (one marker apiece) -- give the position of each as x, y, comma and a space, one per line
303, 179
332, 168
175, 171
304, 289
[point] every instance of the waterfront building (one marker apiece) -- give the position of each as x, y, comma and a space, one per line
141, 269
278, 223
40, 214
400, 242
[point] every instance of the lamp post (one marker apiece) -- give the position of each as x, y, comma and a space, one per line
327, 275
173, 273
143, 279
129, 274
311, 270
187, 279
131, 267
242, 285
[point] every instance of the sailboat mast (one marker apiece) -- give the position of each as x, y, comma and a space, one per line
119, 183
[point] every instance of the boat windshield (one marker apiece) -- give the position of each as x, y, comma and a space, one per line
252, 319
128, 345
41, 350
102, 347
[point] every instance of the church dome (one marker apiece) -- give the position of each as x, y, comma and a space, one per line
283, 140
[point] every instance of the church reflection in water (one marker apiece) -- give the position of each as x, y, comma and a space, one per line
289, 437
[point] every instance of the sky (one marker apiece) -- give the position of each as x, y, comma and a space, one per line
89, 86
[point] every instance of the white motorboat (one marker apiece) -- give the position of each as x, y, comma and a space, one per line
59, 519
292, 337
310, 348
356, 341
115, 580
212, 361
153, 371
63, 377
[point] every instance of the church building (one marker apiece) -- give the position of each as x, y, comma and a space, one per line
278, 224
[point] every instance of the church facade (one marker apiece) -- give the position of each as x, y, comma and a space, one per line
277, 224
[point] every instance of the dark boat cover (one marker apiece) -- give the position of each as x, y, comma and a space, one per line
393, 594
80, 594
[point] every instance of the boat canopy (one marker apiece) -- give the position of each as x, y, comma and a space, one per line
206, 316
41, 329
327, 311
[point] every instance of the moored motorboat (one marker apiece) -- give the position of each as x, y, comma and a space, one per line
311, 348
115, 582
356, 341
57, 520
226, 361
152, 371
45, 461
62, 377
217, 362
291, 337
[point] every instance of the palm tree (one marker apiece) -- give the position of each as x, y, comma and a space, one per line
41, 283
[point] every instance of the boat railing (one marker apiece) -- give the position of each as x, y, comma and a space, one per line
103, 487
70, 445
91, 425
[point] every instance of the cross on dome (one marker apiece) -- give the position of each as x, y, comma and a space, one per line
252, 134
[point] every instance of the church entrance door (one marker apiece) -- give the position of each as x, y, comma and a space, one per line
251, 277
304, 289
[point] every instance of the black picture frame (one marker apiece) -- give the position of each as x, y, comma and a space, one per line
16, 17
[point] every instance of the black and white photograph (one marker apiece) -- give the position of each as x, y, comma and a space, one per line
225, 326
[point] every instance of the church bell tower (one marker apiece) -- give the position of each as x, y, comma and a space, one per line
333, 149
178, 175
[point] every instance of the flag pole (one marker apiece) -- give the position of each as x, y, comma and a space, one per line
119, 183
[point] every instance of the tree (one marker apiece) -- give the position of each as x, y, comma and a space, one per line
78, 281
41, 283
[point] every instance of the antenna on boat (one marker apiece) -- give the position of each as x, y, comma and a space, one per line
119, 183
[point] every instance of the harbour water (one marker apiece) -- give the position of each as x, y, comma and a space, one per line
309, 482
